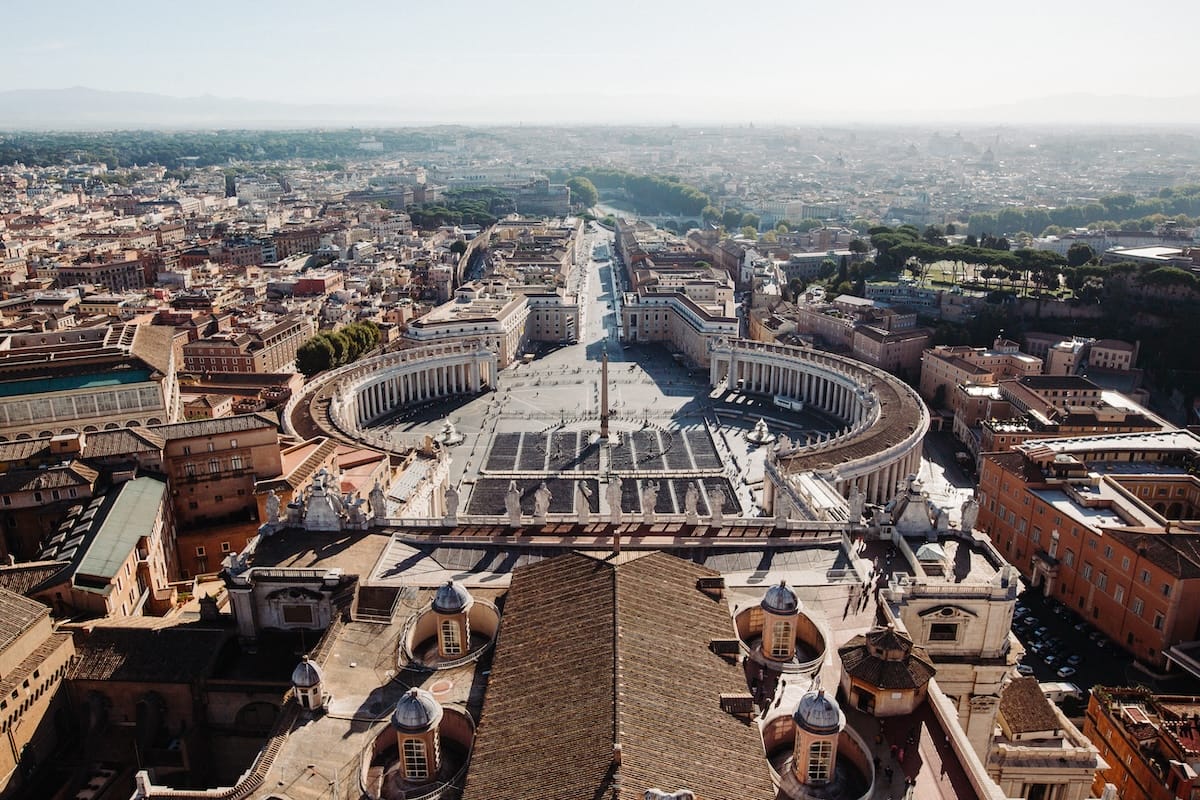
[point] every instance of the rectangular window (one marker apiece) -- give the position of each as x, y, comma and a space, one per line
414, 759
297, 614
1125, 564
1118, 594
235, 462
1137, 606
1158, 621
1166, 590
214, 466
1069, 559
1146, 577
1102, 581
232, 443
943, 632
1086, 572
225, 547
1108, 551
199, 551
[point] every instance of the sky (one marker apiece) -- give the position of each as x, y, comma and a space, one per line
610, 61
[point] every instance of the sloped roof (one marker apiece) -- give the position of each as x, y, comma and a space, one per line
910, 672
17, 615
24, 578
1025, 708
595, 652
168, 655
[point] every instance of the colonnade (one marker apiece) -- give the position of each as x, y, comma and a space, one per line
885, 419
417, 385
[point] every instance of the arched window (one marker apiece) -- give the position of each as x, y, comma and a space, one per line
781, 632
451, 645
820, 760
414, 759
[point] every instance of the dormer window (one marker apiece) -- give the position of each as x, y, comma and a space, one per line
415, 767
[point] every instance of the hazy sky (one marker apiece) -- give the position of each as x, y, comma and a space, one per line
592, 59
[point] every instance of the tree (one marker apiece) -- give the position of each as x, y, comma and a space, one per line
935, 235
782, 227
951, 229
857, 246
971, 241
827, 269
750, 232
1079, 254
458, 247
314, 356
710, 214
583, 191
750, 220
731, 220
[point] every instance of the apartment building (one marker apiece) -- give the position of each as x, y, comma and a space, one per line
213, 463
1106, 525
1149, 742
945, 366
263, 348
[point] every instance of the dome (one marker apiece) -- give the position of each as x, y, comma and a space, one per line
452, 598
819, 714
306, 675
780, 599
416, 712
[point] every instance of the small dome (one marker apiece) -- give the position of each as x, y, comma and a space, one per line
780, 599
416, 712
306, 675
452, 598
819, 714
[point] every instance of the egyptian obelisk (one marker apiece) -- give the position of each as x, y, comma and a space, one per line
604, 395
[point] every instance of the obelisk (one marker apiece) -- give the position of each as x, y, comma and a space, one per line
604, 395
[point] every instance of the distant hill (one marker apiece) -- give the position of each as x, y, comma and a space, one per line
81, 108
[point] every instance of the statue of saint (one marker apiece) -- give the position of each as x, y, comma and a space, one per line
614, 499
858, 501
451, 503
583, 502
649, 501
970, 513
378, 502
716, 503
541, 501
512, 503
272, 508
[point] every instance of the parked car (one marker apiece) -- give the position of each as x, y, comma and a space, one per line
1050, 660
1074, 659
1042, 631
1065, 672
1024, 669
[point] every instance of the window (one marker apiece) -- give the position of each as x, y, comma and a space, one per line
1158, 621
943, 632
214, 466
297, 614
414, 759
189, 470
1166, 590
1086, 572
225, 547
1125, 564
451, 645
1069, 558
1146, 577
1108, 551
187, 450
1102, 581
782, 632
199, 551
1137, 606
820, 760
218, 498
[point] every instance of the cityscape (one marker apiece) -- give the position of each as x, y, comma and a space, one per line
490, 444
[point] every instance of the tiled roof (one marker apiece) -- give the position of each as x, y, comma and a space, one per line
171, 655
1025, 707
210, 427
1176, 553
125, 441
17, 615
28, 480
23, 578
911, 672
593, 653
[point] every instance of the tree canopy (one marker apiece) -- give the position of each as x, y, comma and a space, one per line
336, 348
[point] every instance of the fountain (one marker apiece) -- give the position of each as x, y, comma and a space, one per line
760, 435
449, 435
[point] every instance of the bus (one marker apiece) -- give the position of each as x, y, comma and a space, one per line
788, 403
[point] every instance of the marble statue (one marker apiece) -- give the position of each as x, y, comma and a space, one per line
583, 502
356, 514
541, 502
782, 507
451, 505
690, 501
614, 499
272, 508
970, 513
512, 504
378, 502
858, 501
716, 503
649, 501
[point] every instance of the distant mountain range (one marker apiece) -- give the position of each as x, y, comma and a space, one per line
94, 109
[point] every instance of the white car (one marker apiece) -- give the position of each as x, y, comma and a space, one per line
1065, 672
